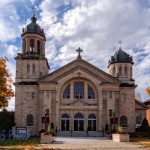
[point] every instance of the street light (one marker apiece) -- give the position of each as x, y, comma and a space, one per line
45, 119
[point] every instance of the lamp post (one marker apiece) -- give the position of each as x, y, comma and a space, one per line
114, 113
45, 119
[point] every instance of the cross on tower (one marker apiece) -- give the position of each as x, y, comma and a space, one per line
120, 42
79, 50
33, 9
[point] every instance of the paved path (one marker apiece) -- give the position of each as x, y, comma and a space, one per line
90, 143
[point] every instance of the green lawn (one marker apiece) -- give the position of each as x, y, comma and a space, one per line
20, 144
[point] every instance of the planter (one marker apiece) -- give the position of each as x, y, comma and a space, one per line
121, 137
46, 139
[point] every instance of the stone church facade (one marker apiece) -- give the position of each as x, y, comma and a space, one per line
77, 96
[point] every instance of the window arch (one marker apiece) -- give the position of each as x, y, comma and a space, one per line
91, 122
66, 116
30, 120
125, 71
79, 90
38, 47
31, 45
66, 93
120, 71
123, 121
33, 69
28, 68
91, 94
78, 116
138, 118
65, 122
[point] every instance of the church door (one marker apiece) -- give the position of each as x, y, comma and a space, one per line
65, 122
78, 122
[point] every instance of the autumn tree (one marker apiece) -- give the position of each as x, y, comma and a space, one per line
6, 91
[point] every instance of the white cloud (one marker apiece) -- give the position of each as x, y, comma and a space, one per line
96, 26
9, 23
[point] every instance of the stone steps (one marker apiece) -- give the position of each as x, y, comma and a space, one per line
79, 134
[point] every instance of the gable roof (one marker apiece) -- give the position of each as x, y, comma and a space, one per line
142, 105
147, 102
80, 64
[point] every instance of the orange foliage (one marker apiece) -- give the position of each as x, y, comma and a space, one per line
148, 91
5, 84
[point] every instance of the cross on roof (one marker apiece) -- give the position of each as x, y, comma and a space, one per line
120, 42
79, 50
33, 9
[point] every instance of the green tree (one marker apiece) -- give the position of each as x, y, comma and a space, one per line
6, 91
145, 126
6, 120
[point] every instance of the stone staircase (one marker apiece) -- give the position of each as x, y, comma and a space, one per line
79, 134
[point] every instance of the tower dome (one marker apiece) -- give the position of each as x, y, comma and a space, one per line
33, 27
120, 57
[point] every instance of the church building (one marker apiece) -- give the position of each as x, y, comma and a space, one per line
76, 97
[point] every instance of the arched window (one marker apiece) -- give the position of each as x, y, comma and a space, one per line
92, 122
38, 47
138, 118
66, 93
65, 122
79, 115
33, 69
28, 68
114, 71
131, 73
123, 121
91, 94
125, 71
79, 90
31, 45
30, 120
78, 122
120, 71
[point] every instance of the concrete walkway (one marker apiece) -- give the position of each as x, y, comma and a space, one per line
90, 143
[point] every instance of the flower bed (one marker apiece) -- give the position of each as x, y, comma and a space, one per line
120, 137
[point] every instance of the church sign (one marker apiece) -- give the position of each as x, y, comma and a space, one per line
45, 119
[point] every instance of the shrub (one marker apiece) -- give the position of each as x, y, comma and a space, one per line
145, 126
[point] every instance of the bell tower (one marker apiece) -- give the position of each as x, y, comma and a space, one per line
120, 65
31, 64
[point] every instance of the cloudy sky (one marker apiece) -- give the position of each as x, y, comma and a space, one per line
94, 25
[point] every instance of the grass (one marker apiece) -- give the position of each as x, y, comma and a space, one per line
29, 144
142, 141
12, 144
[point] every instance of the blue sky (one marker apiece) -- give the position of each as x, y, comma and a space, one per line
95, 26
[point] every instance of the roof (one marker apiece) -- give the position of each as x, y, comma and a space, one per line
120, 56
147, 102
141, 104
80, 63
33, 27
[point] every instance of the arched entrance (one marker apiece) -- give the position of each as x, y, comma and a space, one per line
92, 122
78, 122
65, 122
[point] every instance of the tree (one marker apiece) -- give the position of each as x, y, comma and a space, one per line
145, 126
6, 91
148, 91
6, 120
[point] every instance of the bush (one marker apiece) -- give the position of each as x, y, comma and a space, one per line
145, 126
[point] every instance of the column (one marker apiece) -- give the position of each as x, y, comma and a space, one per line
35, 44
85, 90
71, 91
85, 120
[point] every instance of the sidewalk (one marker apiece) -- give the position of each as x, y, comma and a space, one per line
90, 143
